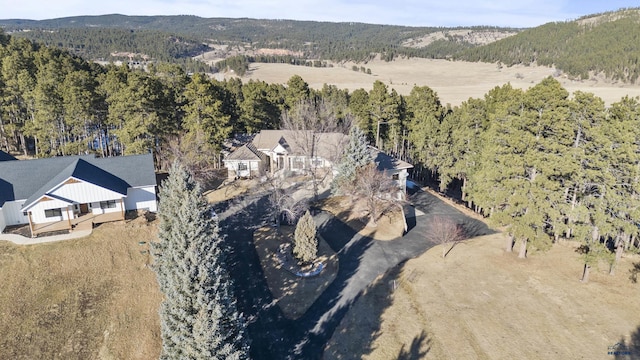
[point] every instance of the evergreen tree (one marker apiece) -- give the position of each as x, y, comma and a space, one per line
356, 155
425, 113
305, 247
199, 318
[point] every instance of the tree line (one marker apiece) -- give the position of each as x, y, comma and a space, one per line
178, 37
545, 165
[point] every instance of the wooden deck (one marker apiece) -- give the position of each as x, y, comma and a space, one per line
83, 222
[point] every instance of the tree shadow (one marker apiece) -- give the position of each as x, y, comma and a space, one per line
362, 260
272, 335
419, 348
432, 206
318, 324
627, 349
633, 272
362, 327
268, 328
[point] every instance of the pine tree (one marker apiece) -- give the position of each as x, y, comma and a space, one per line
305, 247
199, 318
356, 155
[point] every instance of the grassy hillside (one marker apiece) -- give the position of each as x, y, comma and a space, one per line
81, 299
483, 303
598, 44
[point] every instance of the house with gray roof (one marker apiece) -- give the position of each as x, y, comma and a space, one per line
291, 150
246, 161
397, 169
61, 190
299, 150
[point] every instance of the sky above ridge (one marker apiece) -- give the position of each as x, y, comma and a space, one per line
508, 13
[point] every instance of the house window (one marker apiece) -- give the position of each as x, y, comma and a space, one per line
111, 204
297, 163
53, 213
24, 213
242, 166
396, 177
317, 162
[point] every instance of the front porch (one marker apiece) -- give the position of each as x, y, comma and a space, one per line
82, 222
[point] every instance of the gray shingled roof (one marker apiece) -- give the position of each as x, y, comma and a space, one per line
387, 162
328, 143
268, 139
244, 152
6, 157
25, 179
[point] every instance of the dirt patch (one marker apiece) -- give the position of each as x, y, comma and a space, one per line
230, 190
353, 213
88, 298
293, 294
483, 303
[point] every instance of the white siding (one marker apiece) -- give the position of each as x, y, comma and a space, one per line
2, 223
84, 192
13, 213
297, 163
233, 165
96, 208
279, 149
142, 198
38, 215
401, 181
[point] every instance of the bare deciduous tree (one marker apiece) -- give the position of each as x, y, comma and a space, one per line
197, 156
314, 124
283, 205
445, 232
378, 189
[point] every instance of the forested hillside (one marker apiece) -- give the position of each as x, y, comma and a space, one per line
96, 36
541, 164
606, 44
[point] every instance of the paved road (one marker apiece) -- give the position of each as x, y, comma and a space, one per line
361, 261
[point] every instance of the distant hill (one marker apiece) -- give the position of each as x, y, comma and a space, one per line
602, 45
182, 36
606, 44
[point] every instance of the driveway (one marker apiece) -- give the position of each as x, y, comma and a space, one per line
361, 260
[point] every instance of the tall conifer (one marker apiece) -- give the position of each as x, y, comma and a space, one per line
356, 155
199, 318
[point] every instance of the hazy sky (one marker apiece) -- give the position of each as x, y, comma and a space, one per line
515, 13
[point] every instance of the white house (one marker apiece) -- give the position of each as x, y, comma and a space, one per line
273, 150
292, 150
397, 169
246, 161
64, 189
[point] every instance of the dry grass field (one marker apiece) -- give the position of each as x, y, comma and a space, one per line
91, 298
229, 190
483, 303
454, 81
390, 225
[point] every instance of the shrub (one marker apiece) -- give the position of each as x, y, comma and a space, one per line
305, 245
